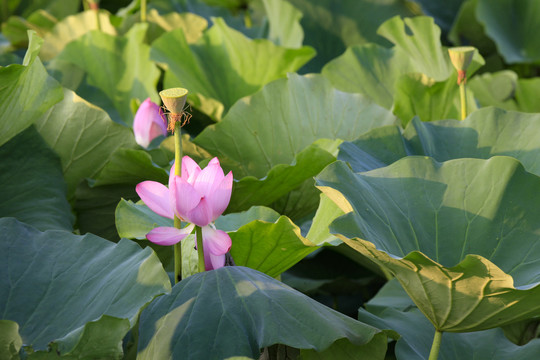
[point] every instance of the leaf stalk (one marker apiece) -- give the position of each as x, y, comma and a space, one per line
435, 347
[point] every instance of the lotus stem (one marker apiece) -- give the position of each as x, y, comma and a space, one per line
143, 11
200, 249
172, 98
435, 347
463, 94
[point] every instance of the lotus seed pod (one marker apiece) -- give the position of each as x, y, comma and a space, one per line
461, 56
174, 99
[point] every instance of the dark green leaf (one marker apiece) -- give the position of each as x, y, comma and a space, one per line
55, 283
241, 311
33, 188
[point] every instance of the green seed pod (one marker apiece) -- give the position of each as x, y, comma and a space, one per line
461, 56
174, 99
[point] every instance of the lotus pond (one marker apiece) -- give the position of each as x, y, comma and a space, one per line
270, 179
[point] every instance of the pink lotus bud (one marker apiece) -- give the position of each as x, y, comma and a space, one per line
149, 123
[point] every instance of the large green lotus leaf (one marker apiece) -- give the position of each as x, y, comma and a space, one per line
33, 188
27, 91
417, 96
393, 309
486, 132
72, 28
420, 39
118, 67
495, 89
330, 26
280, 180
286, 116
83, 136
510, 24
10, 340
224, 65
269, 247
460, 236
241, 311
54, 284
284, 23
369, 69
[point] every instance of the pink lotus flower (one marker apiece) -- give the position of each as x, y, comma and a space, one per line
149, 123
198, 197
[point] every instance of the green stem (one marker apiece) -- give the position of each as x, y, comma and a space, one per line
177, 222
200, 250
434, 353
463, 97
178, 148
143, 10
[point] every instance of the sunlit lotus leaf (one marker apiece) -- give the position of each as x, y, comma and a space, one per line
109, 71
265, 140
514, 39
33, 188
83, 136
330, 26
286, 116
284, 23
371, 70
393, 309
103, 287
224, 65
270, 247
328, 210
252, 311
419, 38
460, 236
279, 181
27, 91
72, 28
